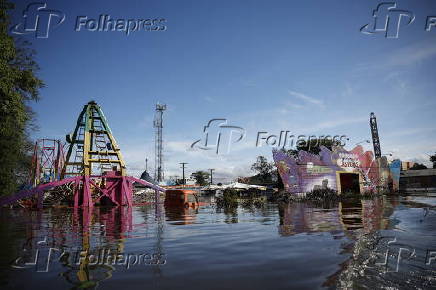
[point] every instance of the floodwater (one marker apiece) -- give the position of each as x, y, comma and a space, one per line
383, 242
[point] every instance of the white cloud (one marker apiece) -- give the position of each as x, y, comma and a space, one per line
288, 107
411, 151
306, 98
178, 146
209, 99
348, 91
412, 54
340, 122
410, 131
402, 57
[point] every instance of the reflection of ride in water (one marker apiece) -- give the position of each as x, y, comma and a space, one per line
87, 274
85, 242
97, 264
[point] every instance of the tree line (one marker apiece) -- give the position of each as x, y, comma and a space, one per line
19, 86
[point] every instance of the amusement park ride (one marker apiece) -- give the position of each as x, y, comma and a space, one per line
93, 165
47, 161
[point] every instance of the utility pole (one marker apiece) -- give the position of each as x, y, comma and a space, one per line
211, 172
183, 171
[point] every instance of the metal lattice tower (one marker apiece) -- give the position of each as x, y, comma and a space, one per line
93, 149
47, 161
374, 133
158, 145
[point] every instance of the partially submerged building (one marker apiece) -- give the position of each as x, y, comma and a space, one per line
338, 169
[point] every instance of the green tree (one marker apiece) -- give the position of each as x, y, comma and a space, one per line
18, 86
418, 166
312, 146
433, 160
201, 177
264, 170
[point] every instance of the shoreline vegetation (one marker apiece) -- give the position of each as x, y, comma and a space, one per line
324, 195
20, 87
232, 198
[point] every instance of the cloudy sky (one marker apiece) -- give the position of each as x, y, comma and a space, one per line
301, 66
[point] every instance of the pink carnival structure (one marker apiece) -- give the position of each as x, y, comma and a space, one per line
93, 166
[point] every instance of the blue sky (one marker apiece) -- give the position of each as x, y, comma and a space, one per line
301, 66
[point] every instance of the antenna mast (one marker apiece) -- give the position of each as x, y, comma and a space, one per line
158, 145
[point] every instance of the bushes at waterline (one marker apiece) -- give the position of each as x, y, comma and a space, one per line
231, 199
322, 195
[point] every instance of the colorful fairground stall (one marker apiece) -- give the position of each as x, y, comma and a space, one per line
338, 169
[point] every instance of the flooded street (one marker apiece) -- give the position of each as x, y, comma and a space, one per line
389, 241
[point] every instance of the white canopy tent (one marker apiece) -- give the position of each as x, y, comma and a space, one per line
234, 185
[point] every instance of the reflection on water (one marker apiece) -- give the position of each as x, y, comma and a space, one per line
76, 240
92, 261
181, 215
368, 215
298, 245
